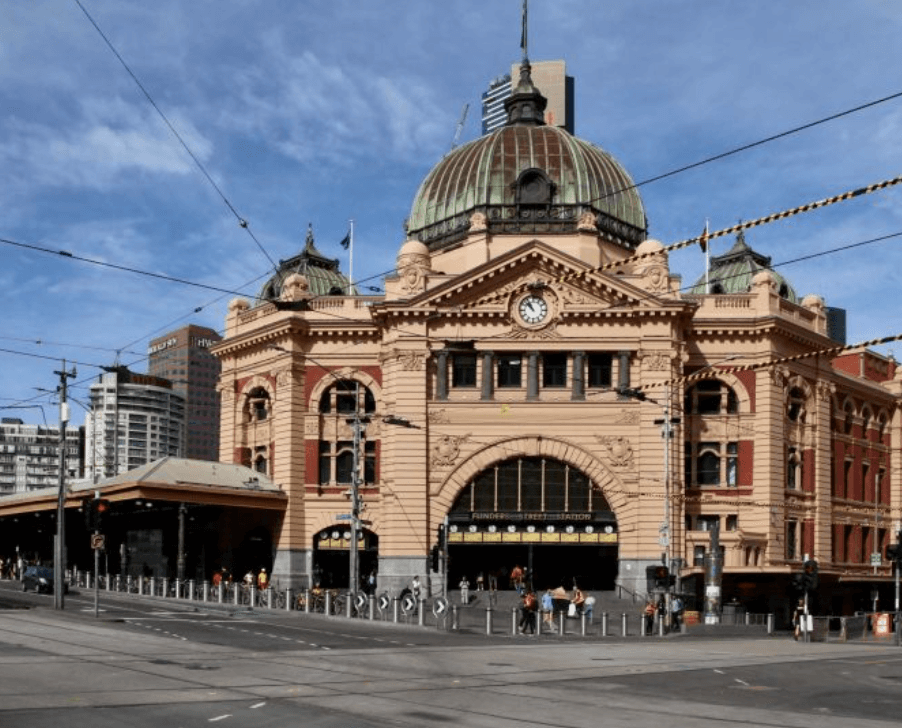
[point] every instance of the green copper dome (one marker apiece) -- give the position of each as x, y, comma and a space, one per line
322, 273
733, 272
526, 177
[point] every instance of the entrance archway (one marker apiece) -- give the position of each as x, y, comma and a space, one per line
537, 512
331, 556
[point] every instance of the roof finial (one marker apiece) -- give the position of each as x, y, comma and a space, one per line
524, 36
309, 240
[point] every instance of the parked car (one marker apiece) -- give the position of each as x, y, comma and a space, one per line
40, 579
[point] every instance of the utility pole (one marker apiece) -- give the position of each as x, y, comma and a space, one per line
59, 552
359, 424
667, 422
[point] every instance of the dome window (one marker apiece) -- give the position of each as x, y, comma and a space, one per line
533, 188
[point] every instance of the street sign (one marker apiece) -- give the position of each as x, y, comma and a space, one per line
360, 601
384, 602
408, 604
97, 541
875, 558
439, 606
343, 517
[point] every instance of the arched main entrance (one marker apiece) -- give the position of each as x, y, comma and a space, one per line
332, 556
537, 512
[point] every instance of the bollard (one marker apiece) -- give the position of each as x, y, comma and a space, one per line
660, 625
395, 609
748, 619
562, 617
206, 591
128, 583
538, 625
219, 592
153, 586
349, 605
307, 601
371, 607
624, 624
235, 593
269, 597
643, 628
488, 620
770, 623
192, 586
421, 613
455, 623
328, 602
140, 586
604, 624
514, 624
165, 586
109, 585
289, 605
582, 624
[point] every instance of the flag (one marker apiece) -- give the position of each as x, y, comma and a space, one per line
346, 241
703, 239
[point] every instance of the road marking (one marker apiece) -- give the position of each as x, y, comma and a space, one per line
720, 672
219, 717
741, 682
258, 705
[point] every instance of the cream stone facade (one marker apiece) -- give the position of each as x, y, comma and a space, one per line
514, 383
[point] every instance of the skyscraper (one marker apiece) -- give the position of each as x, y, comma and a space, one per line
183, 357
557, 87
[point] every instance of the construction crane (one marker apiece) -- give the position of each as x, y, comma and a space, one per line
460, 125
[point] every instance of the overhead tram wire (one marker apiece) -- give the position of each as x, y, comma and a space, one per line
704, 237
751, 145
241, 221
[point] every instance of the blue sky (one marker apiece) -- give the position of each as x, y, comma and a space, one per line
320, 112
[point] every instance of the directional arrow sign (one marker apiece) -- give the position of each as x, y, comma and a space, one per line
360, 601
408, 604
439, 606
383, 602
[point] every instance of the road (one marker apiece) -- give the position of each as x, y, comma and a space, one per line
149, 664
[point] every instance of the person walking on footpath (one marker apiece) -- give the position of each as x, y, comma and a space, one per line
548, 610
415, 588
676, 612
528, 613
517, 578
465, 591
649, 615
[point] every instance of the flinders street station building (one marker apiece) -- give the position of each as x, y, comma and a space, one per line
513, 387
535, 387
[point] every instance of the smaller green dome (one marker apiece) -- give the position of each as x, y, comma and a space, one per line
733, 272
322, 274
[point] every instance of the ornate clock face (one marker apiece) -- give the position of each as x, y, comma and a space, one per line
533, 309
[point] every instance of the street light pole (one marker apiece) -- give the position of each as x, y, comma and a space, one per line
59, 551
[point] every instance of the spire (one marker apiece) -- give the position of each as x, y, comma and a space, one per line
524, 35
525, 105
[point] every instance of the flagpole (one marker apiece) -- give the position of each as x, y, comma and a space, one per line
351, 259
707, 259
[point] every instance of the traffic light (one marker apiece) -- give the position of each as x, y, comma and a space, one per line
894, 552
798, 582
95, 509
434, 554
810, 573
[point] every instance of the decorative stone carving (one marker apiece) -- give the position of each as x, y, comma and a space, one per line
587, 223
311, 427
411, 361
618, 450
438, 417
628, 417
294, 288
655, 361
825, 391
414, 265
478, 222
779, 376
656, 279
447, 449
287, 376
521, 333
575, 297
238, 305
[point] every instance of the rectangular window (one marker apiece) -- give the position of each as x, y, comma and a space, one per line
792, 537
325, 463
698, 555
510, 370
369, 463
463, 370
600, 368
733, 522
344, 463
554, 370
707, 523
792, 468
732, 462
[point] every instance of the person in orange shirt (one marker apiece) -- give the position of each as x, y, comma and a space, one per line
262, 580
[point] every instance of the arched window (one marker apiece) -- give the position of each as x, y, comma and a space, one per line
796, 407
711, 464
849, 418
347, 397
258, 406
711, 397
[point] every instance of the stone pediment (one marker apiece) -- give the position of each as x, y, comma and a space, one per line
495, 285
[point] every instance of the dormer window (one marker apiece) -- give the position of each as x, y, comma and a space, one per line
533, 188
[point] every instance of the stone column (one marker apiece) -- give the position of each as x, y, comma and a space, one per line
532, 376
441, 375
488, 375
578, 380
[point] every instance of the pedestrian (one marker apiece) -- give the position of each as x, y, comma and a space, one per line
371, 582
262, 580
480, 582
548, 610
649, 615
517, 578
465, 591
217, 579
676, 612
798, 617
589, 607
415, 588
528, 613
